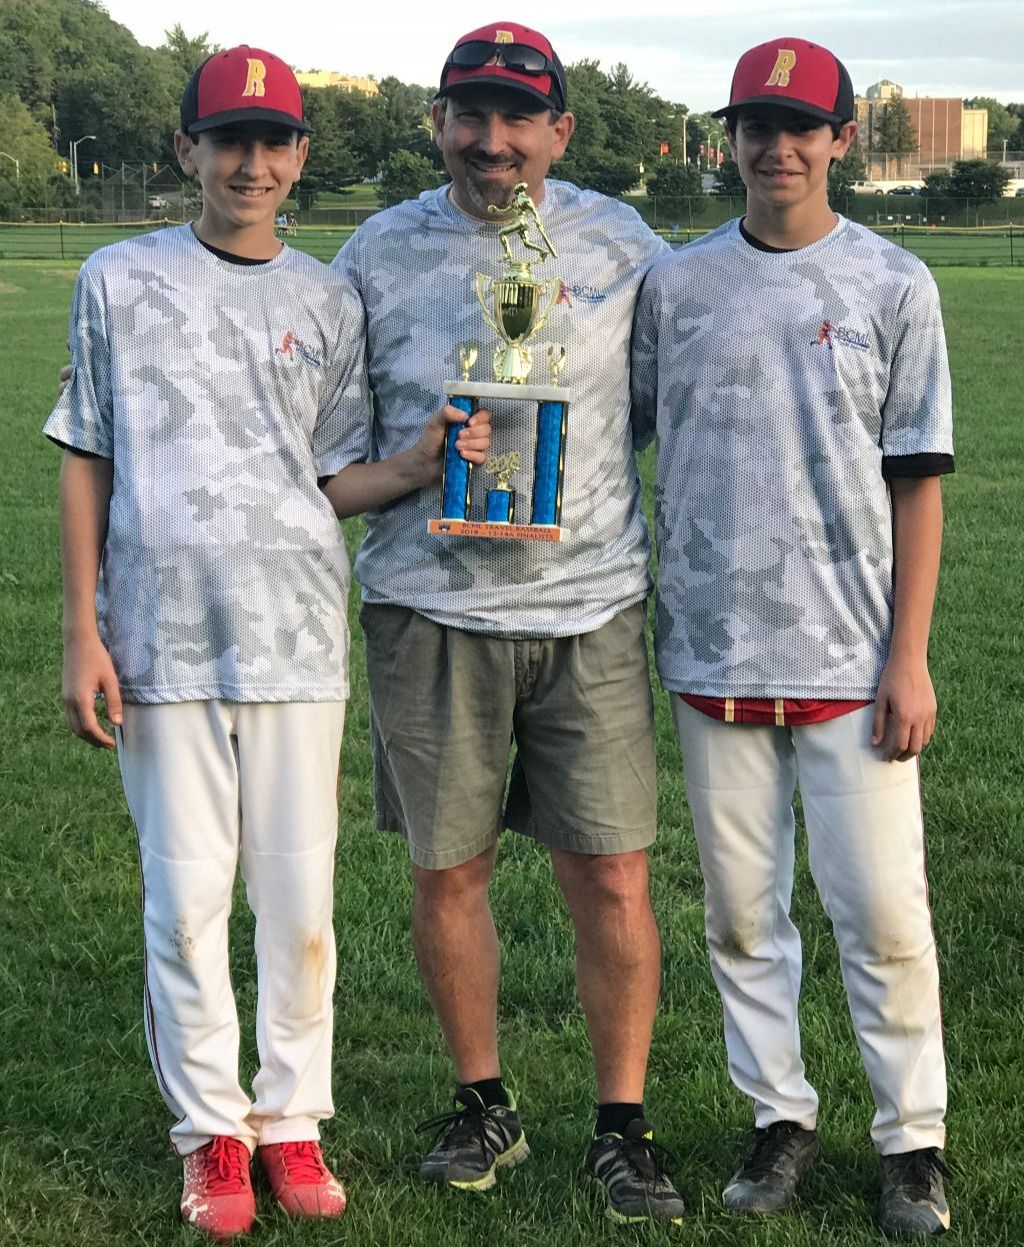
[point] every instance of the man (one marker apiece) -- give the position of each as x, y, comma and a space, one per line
473, 643
799, 527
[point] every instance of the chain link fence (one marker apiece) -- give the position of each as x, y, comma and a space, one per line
703, 212
965, 234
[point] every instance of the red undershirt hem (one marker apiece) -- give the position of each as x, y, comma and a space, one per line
775, 711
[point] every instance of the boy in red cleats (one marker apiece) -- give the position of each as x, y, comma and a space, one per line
223, 374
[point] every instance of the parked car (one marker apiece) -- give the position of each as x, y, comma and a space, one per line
864, 186
906, 190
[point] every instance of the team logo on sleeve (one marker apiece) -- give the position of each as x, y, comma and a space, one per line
784, 62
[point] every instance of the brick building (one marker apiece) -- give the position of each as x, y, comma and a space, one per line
946, 131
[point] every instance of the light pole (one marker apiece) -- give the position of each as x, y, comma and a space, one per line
17, 166
686, 159
74, 158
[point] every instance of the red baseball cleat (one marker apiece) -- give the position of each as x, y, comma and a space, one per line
217, 1196
301, 1182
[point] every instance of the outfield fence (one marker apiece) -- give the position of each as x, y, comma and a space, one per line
990, 245
690, 212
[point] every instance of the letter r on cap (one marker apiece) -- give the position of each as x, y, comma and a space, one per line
254, 82
784, 62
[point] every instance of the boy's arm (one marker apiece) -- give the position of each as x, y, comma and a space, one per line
905, 706
363, 487
86, 483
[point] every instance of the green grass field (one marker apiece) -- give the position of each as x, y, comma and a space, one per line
83, 1151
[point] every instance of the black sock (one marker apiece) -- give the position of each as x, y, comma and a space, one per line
614, 1118
490, 1090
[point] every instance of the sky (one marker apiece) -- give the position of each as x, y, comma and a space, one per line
684, 49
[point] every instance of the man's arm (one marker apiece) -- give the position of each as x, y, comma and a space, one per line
905, 706
86, 483
363, 487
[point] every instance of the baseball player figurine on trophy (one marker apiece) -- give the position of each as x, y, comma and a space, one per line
501, 501
515, 305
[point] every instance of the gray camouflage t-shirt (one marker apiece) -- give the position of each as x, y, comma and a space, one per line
777, 384
221, 392
414, 266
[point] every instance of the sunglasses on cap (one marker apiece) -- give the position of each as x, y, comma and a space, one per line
517, 56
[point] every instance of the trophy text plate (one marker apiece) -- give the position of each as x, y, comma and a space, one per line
508, 532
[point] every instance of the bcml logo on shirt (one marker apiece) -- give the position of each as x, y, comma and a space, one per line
589, 294
832, 335
293, 348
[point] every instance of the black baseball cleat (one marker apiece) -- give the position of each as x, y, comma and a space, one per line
779, 1157
629, 1167
474, 1140
913, 1201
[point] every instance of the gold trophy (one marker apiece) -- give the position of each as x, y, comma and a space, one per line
515, 305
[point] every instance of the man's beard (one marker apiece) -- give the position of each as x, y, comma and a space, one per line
484, 197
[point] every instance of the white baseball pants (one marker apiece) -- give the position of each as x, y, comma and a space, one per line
866, 845
209, 784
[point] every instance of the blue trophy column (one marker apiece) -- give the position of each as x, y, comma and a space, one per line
501, 506
549, 466
457, 472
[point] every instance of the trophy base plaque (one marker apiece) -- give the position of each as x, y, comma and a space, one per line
549, 465
481, 528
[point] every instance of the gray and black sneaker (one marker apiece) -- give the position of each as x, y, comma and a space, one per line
473, 1141
631, 1170
780, 1156
913, 1202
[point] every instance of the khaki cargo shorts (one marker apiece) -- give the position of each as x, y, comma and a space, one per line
447, 705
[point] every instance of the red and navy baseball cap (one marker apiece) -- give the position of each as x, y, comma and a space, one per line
792, 73
507, 54
242, 84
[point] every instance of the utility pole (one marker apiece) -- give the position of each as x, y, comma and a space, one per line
74, 158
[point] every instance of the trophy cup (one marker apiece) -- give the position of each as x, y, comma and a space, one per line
515, 305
